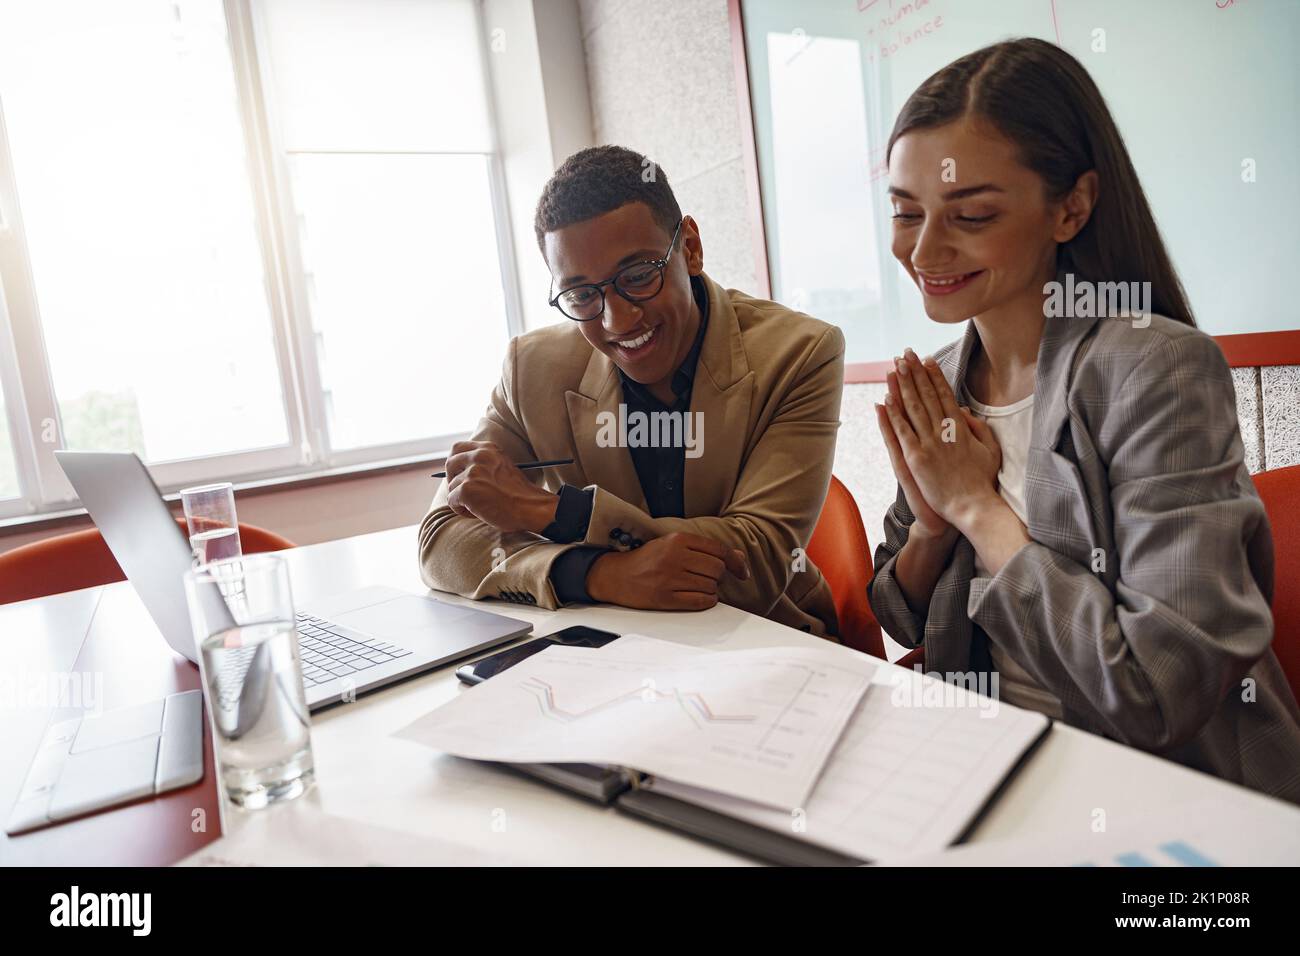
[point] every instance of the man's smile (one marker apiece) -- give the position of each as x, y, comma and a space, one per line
636, 348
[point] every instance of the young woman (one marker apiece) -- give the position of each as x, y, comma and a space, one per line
1073, 511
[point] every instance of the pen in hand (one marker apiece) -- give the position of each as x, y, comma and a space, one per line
524, 465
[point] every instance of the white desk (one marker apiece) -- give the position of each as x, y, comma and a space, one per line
366, 775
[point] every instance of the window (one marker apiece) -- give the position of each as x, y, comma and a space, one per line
248, 238
125, 141
395, 248
389, 158
8, 468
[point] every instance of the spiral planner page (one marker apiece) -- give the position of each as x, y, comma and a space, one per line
916, 765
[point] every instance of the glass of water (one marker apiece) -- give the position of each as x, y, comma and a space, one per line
210, 516
242, 613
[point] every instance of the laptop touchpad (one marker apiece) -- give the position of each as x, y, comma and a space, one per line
408, 617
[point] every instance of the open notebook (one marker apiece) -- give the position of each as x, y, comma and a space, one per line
902, 780
896, 768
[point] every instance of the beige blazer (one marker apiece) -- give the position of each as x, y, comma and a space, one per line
768, 388
1142, 601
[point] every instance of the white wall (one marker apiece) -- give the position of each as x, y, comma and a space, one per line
662, 83
539, 88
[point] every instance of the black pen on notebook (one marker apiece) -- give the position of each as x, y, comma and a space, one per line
524, 465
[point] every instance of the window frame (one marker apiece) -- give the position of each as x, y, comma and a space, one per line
26, 381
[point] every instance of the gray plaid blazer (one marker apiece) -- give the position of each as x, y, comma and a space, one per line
1136, 466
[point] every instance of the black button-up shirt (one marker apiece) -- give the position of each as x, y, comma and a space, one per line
661, 470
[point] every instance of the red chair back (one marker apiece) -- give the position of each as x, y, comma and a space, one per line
81, 559
1280, 491
840, 550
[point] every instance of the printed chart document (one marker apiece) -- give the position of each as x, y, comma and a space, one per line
757, 724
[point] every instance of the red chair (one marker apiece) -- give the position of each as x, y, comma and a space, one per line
1280, 491
81, 559
840, 549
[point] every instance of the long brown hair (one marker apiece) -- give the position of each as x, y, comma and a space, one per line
1043, 100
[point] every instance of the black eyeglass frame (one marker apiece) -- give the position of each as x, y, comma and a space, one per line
659, 264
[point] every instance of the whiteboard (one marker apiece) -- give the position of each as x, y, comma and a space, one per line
1197, 88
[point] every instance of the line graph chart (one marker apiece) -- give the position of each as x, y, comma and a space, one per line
693, 704
740, 722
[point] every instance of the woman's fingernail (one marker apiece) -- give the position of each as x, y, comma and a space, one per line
902, 367
889, 399
909, 353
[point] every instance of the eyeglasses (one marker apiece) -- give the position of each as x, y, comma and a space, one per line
636, 283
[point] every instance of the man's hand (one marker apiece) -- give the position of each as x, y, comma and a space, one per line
678, 572
483, 483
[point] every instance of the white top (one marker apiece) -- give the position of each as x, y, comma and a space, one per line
1012, 425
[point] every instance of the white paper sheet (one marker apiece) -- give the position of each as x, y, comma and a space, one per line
757, 723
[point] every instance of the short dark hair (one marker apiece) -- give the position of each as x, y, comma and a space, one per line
600, 179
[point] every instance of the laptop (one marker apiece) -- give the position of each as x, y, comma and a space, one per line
354, 643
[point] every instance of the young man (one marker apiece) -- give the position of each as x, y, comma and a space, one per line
701, 422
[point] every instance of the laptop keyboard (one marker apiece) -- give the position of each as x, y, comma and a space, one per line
329, 651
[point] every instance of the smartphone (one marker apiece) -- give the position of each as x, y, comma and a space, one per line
476, 672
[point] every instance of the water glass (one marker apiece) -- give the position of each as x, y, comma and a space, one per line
242, 613
210, 516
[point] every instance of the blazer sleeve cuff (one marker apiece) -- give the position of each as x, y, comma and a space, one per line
885, 595
616, 524
572, 515
524, 577
569, 574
